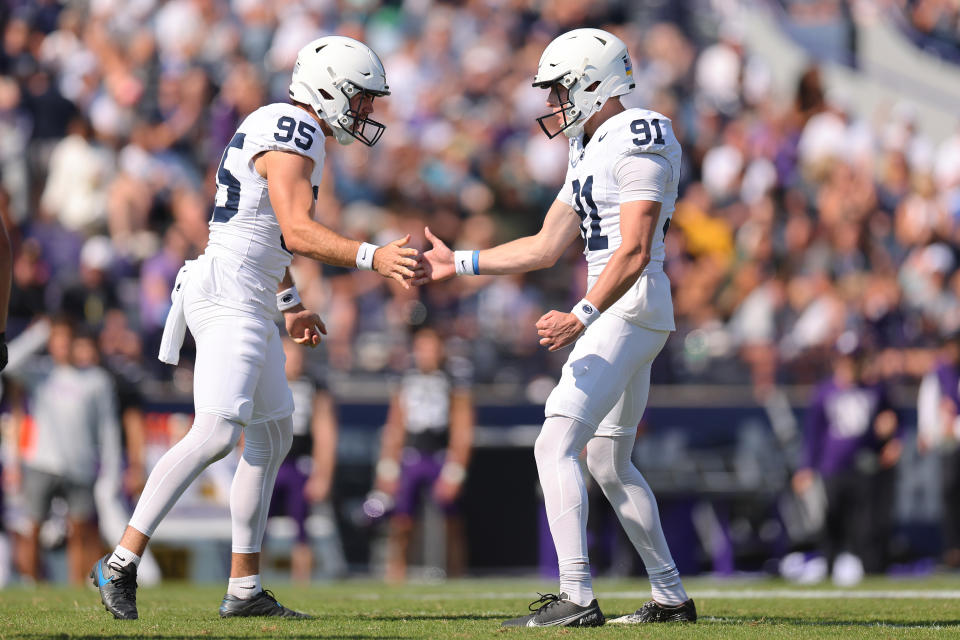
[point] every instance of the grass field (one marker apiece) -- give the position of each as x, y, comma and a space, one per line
879, 608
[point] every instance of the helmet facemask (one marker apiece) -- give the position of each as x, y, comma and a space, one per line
355, 125
566, 109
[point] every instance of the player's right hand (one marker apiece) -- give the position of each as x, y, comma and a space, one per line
304, 327
437, 263
397, 261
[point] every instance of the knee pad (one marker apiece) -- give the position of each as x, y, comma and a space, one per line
219, 435
601, 463
561, 437
543, 449
268, 442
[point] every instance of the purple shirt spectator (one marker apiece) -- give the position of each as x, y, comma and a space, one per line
839, 425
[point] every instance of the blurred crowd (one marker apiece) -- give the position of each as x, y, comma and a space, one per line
798, 219
938, 20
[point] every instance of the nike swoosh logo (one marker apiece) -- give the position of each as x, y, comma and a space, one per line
101, 579
463, 264
602, 137
555, 623
244, 587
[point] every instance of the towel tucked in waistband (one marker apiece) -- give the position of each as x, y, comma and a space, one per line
175, 328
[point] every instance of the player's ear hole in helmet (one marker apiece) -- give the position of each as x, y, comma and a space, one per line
583, 68
338, 78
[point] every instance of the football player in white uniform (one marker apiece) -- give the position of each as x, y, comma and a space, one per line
619, 196
266, 191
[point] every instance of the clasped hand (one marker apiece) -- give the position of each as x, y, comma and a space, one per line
558, 329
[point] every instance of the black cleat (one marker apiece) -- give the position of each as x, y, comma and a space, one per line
559, 611
118, 588
653, 612
262, 604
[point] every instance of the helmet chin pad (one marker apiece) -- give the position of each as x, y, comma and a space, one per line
572, 121
349, 126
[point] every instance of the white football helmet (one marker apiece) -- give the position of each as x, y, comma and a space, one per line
328, 73
577, 60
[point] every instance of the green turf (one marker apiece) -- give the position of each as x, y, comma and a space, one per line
475, 608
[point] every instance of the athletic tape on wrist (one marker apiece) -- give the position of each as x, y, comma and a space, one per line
453, 472
388, 469
585, 312
365, 256
466, 263
288, 299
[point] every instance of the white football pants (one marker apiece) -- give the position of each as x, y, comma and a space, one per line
210, 439
597, 405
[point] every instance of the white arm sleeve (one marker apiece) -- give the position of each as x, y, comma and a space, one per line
642, 176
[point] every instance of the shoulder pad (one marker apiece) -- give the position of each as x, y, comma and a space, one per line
283, 127
644, 131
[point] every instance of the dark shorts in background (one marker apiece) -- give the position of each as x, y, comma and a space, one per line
40, 487
418, 472
288, 498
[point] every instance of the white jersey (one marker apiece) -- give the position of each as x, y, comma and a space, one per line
591, 188
246, 256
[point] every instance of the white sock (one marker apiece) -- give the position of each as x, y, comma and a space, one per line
608, 458
666, 587
565, 497
122, 556
576, 583
245, 587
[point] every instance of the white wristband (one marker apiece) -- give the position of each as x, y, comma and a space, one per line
388, 470
365, 256
453, 472
466, 263
585, 312
288, 299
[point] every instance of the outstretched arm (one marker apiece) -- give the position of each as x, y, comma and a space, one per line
291, 194
529, 253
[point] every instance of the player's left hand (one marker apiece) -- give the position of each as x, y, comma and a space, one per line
304, 326
557, 329
445, 492
317, 488
134, 479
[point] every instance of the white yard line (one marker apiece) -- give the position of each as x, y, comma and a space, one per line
735, 594
819, 623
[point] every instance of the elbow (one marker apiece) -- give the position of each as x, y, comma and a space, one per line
546, 255
292, 240
547, 260
637, 261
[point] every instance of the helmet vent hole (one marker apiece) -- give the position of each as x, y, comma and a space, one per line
602, 41
320, 48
